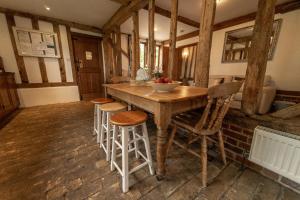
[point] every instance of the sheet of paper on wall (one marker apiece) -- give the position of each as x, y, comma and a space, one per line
37, 45
89, 55
50, 44
23, 36
25, 43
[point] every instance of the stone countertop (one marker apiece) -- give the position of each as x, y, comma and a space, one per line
286, 125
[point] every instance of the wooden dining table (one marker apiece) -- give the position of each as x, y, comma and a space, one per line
162, 106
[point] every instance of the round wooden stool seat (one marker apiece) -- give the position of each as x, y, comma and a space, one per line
112, 107
102, 100
128, 118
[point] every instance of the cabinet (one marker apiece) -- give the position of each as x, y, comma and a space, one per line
9, 100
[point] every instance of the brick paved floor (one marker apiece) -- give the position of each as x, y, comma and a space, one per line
48, 152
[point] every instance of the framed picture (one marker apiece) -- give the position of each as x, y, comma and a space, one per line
36, 43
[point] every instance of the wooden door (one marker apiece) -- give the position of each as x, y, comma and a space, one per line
89, 66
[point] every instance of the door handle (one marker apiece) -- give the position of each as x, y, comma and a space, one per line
79, 64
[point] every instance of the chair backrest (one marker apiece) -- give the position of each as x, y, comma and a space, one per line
119, 79
219, 99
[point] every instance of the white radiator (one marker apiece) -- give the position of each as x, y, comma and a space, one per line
277, 151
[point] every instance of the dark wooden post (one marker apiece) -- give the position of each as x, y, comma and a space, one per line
42, 65
258, 55
112, 46
207, 10
119, 51
173, 34
135, 45
151, 42
108, 56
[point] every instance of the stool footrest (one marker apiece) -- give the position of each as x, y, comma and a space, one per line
119, 145
138, 167
129, 151
143, 156
118, 168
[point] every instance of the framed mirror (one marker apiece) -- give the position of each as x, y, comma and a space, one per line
238, 42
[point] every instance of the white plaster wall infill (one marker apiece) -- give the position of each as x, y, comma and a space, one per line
49, 95
6, 49
66, 52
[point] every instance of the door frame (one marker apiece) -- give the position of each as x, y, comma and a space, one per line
100, 56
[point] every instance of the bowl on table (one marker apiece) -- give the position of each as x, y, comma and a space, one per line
164, 87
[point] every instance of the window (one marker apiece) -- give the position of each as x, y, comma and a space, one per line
143, 55
157, 56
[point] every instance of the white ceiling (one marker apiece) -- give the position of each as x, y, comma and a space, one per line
89, 12
226, 9
98, 12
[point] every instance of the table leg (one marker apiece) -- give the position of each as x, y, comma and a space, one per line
162, 120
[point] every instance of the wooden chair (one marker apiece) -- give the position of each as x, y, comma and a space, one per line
208, 123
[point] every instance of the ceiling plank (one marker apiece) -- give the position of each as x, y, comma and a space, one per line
50, 19
123, 13
281, 8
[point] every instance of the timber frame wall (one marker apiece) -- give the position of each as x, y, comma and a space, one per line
9, 13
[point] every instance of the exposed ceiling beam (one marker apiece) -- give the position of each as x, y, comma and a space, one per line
281, 8
51, 19
166, 13
123, 13
123, 2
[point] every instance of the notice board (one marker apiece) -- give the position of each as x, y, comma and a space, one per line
36, 43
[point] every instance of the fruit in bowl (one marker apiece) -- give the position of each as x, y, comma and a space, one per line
163, 80
164, 84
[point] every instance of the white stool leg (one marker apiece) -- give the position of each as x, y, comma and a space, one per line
95, 119
113, 154
99, 122
108, 137
136, 143
102, 128
147, 147
125, 178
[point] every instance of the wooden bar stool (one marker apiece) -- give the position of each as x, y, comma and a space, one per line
127, 122
97, 114
108, 110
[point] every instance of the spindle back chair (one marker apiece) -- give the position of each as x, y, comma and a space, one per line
208, 123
